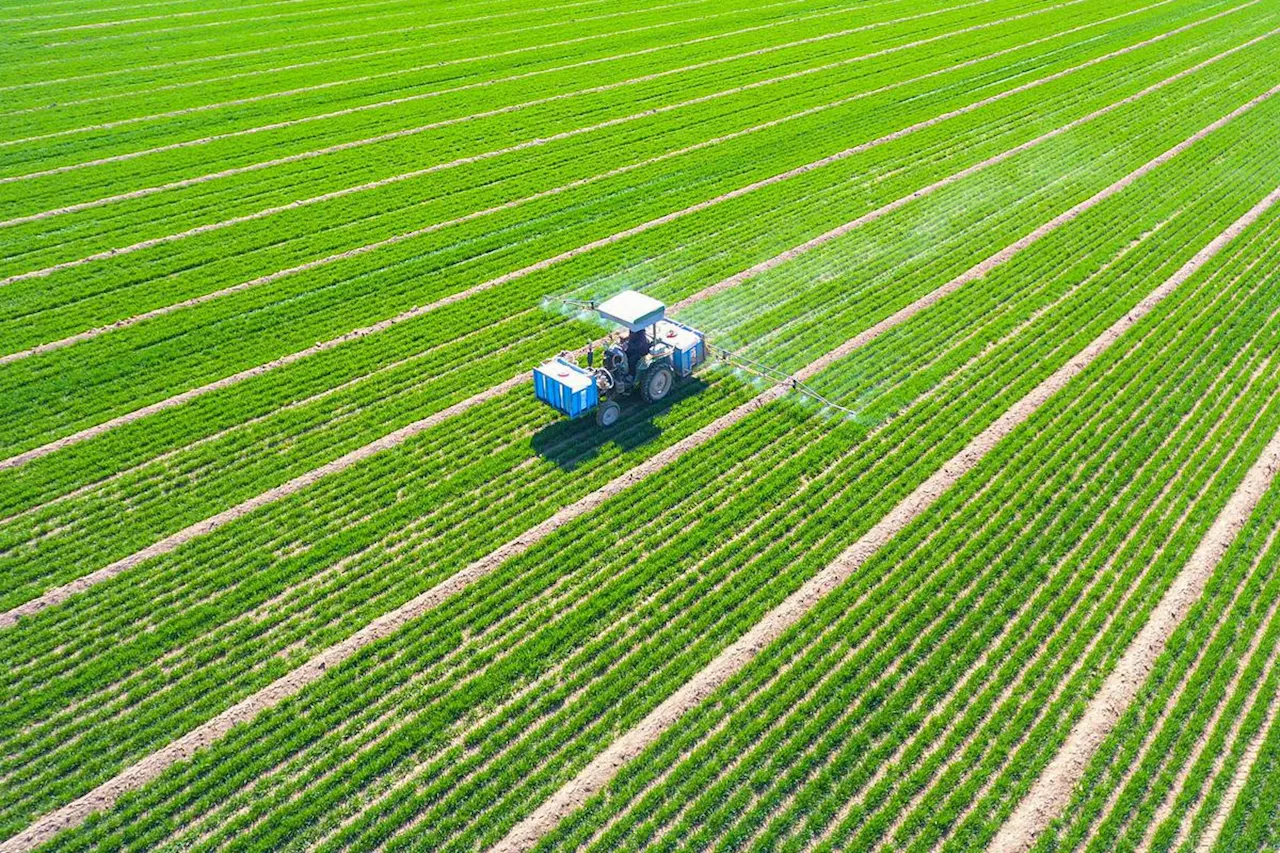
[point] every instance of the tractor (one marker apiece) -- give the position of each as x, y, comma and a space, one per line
647, 360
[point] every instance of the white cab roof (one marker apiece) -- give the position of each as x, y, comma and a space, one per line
632, 310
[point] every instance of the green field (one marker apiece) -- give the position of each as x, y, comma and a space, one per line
292, 557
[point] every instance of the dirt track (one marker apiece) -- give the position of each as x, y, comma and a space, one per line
601, 771
1051, 791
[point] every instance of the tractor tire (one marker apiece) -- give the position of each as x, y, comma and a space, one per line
657, 383
608, 413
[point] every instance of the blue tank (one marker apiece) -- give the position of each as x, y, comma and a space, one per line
566, 387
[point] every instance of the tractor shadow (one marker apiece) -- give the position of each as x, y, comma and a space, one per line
571, 443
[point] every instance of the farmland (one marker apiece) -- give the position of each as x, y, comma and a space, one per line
291, 557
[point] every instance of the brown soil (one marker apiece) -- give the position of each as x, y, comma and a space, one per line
1051, 791
600, 771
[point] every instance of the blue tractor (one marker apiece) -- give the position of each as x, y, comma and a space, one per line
648, 360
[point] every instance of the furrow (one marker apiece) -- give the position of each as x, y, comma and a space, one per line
1052, 789
602, 769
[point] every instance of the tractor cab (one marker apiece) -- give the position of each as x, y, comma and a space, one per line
648, 359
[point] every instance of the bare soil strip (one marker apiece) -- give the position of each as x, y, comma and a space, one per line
998, 707
601, 770
297, 484
1238, 779
1176, 790
1051, 791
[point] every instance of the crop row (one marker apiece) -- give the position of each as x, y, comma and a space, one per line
722, 34
80, 63
143, 156
399, 280
252, 807
1252, 825
228, 71
454, 187
771, 234
65, 16
1161, 774
885, 714
75, 536
842, 466
402, 72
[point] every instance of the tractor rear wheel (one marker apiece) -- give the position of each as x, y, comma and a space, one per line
657, 383
608, 413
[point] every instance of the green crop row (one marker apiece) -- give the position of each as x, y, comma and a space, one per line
406, 70
868, 475
68, 61
386, 281
216, 413
142, 156
277, 242
718, 38
1136, 769
76, 536
227, 71
1252, 824
965, 606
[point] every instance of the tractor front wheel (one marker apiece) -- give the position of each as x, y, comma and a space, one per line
608, 413
657, 383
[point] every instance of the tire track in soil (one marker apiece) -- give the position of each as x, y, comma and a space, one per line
603, 768
412, 313
1053, 788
